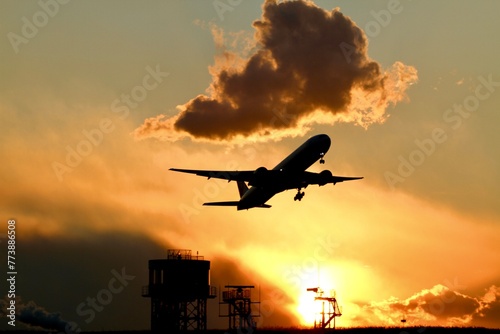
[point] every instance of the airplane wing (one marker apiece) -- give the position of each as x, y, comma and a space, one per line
307, 178
220, 174
325, 177
233, 203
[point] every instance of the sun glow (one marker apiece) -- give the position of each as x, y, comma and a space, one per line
307, 308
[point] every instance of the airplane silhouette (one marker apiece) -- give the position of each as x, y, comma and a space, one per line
288, 174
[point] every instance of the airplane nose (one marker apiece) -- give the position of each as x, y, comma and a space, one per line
325, 138
325, 141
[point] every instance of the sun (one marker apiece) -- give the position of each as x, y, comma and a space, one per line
307, 308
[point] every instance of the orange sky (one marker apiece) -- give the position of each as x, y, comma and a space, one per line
89, 198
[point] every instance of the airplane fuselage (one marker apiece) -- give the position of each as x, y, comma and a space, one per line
284, 173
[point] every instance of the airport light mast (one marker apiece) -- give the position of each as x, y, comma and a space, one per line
329, 309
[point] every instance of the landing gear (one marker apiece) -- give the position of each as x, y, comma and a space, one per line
321, 160
299, 195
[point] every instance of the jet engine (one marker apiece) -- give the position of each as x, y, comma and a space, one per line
325, 177
260, 171
259, 176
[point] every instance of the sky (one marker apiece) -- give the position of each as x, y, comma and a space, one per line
99, 99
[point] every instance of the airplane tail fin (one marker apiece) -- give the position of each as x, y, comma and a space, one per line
242, 188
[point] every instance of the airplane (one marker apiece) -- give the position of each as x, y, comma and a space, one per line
288, 174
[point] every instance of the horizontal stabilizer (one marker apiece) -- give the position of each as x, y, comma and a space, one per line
231, 203
337, 179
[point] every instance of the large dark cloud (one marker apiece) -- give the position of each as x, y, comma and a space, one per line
56, 275
306, 60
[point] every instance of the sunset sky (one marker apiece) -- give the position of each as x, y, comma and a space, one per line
99, 99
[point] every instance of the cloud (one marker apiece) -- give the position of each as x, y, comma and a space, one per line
35, 316
437, 306
488, 313
308, 66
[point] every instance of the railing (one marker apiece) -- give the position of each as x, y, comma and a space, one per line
236, 294
182, 254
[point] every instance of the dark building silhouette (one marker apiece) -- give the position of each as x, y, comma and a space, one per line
238, 299
179, 287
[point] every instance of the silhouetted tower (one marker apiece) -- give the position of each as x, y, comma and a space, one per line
329, 310
240, 313
179, 287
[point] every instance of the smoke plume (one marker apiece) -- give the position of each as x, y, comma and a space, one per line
308, 66
35, 316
